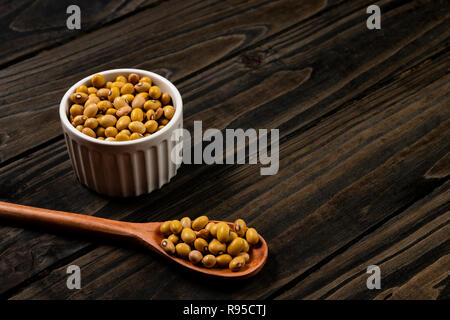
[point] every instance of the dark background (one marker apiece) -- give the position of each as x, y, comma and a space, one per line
364, 143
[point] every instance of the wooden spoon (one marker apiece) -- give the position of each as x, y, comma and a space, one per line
147, 234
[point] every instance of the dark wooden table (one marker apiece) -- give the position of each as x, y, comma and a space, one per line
364, 120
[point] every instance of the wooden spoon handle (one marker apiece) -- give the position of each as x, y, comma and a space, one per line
66, 220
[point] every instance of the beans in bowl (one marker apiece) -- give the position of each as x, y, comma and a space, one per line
128, 108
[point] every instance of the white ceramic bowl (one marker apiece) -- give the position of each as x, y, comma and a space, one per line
125, 168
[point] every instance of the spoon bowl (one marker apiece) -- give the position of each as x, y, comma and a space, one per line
146, 234
152, 237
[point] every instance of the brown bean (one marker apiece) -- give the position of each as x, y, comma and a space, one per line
138, 102
151, 126
114, 92
165, 98
152, 105
91, 110
124, 111
169, 111
111, 132
123, 122
76, 110
127, 88
103, 93
79, 97
79, 120
92, 99
137, 126
111, 111
142, 86
89, 132
98, 80
158, 114
133, 78
155, 92
91, 123
104, 105
204, 234
120, 102
108, 121
100, 132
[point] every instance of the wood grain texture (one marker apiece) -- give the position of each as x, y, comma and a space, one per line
141, 275
412, 251
29, 26
189, 36
52, 171
147, 235
356, 150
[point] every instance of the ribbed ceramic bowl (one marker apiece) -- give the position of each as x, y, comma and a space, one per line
126, 168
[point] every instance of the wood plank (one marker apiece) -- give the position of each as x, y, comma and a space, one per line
310, 154
29, 26
36, 192
430, 284
318, 152
412, 251
189, 36
121, 273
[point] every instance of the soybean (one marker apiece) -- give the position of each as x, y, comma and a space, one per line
123, 122
235, 247
135, 136
169, 111
133, 78
137, 126
200, 223
111, 132
76, 110
216, 247
165, 228
223, 232
183, 250
240, 227
79, 97
155, 92
252, 236
89, 132
122, 137
201, 245
108, 121
90, 111
188, 235
223, 260
245, 255
98, 81
175, 226
204, 234
151, 126
186, 222
91, 123
165, 98
174, 238
195, 256
209, 261
168, 246
137, 115
237, 263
